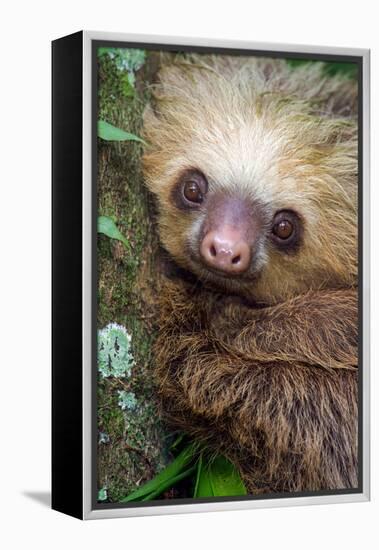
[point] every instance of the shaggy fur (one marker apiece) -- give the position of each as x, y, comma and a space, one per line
263, 370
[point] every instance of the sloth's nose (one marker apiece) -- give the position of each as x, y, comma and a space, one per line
226, 249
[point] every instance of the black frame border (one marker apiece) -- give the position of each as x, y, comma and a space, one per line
67, 270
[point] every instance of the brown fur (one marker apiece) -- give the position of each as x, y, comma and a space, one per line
263, 371
272, 388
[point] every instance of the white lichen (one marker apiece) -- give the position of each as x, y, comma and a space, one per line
127, 400
104, 438
114, 351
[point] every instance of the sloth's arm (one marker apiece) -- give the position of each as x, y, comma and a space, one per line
201, 368
317, 328
227, 392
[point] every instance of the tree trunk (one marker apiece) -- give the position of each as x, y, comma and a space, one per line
133, 444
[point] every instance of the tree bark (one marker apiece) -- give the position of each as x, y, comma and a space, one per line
133, 443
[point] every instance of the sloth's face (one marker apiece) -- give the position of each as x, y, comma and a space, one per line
230, 234
257, 197
250, 241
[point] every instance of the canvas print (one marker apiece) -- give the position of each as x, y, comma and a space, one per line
227, 276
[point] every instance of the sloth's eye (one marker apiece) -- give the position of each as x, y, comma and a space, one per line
192, 188
286, 230
192, 192
283, 229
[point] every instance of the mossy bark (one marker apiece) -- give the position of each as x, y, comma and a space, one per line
133, 444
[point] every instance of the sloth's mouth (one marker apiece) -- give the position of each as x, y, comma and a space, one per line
208, 274
243, 277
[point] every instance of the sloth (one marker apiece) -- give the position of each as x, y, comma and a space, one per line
253, 167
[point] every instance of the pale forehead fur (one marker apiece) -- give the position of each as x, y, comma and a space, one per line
258, 128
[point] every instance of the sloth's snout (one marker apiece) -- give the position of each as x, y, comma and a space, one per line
226, 249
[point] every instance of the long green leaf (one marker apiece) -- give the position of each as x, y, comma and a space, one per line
218, 478
108, 132
225, 478
203, 486
107, 227
169, 483
198, 473
167, 476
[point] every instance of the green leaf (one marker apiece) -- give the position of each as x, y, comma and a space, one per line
218, 478
177, 470
202, 485
348, 69
225, 478
102, 494
170, 483
107, 227
108, 132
